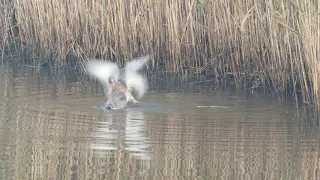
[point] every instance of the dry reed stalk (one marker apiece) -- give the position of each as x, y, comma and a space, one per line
260, 43
7, 25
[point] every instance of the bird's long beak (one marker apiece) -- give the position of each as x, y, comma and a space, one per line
111, 87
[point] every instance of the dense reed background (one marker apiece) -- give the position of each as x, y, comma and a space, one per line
256, 43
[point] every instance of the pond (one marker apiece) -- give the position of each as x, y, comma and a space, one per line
53, 127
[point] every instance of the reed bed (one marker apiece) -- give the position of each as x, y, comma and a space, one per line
260, 44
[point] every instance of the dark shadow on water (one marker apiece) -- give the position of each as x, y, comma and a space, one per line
139, 107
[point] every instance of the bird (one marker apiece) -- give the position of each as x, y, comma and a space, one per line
121, 86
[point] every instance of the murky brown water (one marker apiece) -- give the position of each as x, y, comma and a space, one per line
51, 127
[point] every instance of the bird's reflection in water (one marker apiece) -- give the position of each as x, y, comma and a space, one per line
135, 140
122, 131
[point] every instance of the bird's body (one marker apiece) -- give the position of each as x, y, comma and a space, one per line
120, 97
120, 88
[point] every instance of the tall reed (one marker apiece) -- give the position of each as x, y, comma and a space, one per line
259, 43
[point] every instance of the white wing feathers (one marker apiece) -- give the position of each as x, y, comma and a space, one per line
136, 64
103, 70
133, 79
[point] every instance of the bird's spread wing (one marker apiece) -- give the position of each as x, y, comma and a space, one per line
133, 66
133, 79
136, 64
103, 70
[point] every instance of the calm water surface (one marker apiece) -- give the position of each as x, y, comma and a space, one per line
52, 127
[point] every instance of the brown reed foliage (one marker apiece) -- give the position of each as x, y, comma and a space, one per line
259, 43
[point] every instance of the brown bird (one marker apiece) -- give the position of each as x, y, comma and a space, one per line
122, 87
